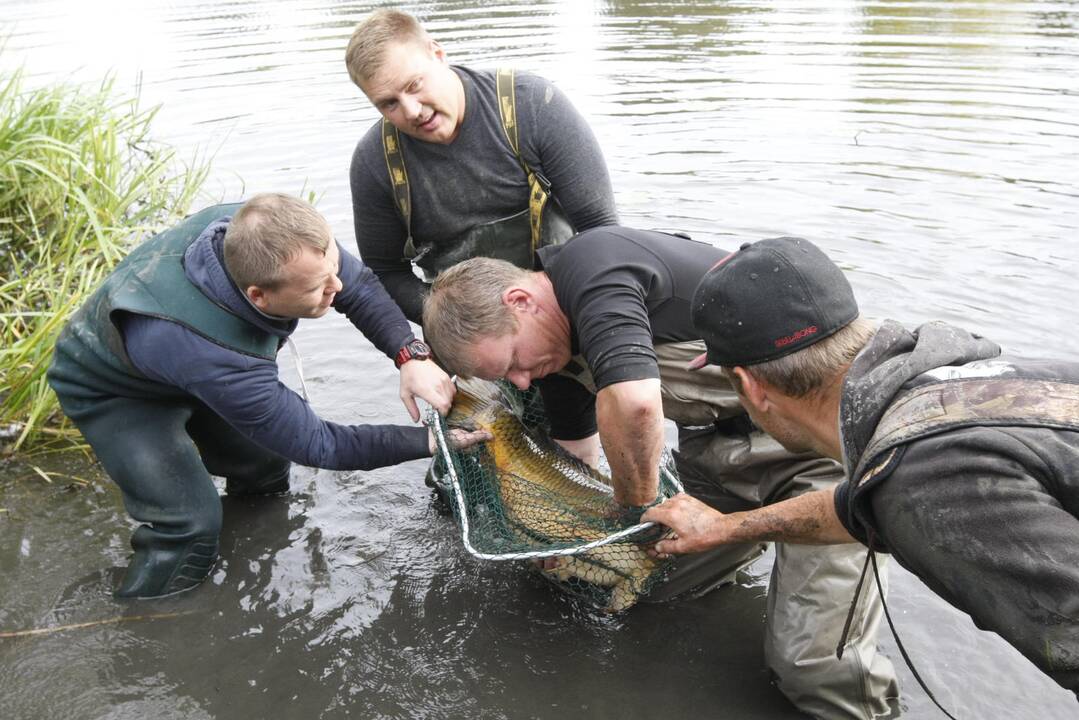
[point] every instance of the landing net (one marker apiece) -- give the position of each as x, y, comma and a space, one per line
535, 500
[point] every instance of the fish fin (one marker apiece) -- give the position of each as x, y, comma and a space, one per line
564, 570
623, 596
626, 592
463, 423
474, 398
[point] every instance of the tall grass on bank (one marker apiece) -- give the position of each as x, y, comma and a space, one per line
81, 183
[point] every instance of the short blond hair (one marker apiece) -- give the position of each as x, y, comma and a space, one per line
367, 47
465, 306
266, 233
814, 368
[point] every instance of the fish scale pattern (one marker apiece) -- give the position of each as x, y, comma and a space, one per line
522, 496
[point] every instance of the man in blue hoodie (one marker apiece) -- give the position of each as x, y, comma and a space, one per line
962, 464
169, 371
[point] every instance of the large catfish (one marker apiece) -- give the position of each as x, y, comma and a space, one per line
549, 498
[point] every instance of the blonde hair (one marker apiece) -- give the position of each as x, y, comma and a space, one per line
367, 47
464, 306
266, 233
812, 369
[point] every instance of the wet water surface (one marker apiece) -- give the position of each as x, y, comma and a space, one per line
932, 148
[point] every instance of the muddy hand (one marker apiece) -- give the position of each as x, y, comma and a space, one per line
694, 525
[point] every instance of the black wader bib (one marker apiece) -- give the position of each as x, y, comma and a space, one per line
512, 238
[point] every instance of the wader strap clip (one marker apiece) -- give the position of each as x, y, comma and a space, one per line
402, 194
539, 188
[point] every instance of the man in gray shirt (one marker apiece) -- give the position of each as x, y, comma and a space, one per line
459, 188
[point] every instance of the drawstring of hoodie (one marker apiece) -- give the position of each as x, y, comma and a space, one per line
295, 352
871, 559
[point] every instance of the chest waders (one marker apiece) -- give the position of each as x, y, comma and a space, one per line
512, 238
942, 407
155, 441
90, 361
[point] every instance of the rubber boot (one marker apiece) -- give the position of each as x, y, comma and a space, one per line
158, 569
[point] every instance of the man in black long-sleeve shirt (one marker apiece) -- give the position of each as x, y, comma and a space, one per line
169, 370
465, 189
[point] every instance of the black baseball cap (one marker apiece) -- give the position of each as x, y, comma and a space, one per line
769, 299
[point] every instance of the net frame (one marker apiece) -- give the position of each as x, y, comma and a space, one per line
667, 478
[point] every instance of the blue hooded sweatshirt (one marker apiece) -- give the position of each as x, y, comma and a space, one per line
246, 391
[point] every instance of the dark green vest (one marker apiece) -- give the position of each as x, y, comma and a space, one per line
90, 362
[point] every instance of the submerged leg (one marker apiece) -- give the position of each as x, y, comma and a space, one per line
729, 464
248, 468
145, 449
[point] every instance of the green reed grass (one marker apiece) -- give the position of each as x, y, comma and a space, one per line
81, 183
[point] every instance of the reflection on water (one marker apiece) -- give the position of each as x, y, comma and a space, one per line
931, 147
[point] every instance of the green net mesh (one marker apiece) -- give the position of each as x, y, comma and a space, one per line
521, 496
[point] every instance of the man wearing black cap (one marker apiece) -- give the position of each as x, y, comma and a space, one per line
611, 308
962, 464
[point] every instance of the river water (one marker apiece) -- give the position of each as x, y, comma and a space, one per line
932, 148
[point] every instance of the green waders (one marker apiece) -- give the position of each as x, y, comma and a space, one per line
156, 442
161, 454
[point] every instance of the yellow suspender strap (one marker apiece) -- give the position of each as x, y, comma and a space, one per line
402, 196
538, 188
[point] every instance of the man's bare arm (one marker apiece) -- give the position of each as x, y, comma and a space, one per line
630, 419
808, 519
586, 449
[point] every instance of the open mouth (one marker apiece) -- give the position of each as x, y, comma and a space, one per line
429, 123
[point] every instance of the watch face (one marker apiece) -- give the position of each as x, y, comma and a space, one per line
414, 350
418, 349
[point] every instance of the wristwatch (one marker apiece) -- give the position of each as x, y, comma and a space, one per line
412, 350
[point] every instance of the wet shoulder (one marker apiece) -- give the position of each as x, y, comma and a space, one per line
619, 245
532, 86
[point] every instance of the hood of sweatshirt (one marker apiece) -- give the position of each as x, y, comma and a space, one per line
204, 266
893, 358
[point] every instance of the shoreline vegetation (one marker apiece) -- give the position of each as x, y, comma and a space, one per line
81, 183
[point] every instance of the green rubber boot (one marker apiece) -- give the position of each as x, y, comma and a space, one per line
158, 570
